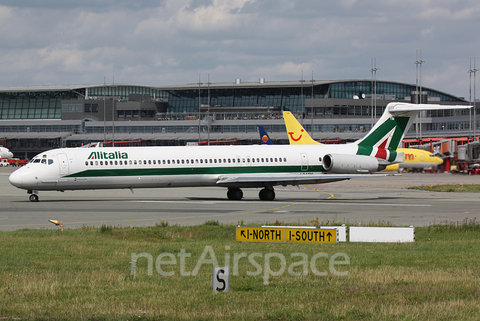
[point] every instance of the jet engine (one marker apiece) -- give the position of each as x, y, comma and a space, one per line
350, 164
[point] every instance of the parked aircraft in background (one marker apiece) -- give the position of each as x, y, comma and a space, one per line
413, 158
232, 167
264, 138
5, 153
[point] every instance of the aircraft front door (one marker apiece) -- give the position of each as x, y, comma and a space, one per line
63, 161
304, 161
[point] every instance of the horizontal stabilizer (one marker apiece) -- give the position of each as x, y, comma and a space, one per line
397, 108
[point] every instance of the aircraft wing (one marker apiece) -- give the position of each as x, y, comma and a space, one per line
263, 181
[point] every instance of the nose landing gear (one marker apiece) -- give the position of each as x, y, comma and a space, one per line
33, 196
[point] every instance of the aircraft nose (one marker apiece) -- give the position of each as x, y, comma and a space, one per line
16, 178
438, 160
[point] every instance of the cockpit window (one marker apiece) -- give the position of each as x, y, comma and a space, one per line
44, 161
37, 160
50, 161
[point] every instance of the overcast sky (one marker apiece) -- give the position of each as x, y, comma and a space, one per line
170, 42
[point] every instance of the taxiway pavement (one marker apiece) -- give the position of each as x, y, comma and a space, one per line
379, 199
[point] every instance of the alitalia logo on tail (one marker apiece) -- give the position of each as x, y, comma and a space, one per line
105, 155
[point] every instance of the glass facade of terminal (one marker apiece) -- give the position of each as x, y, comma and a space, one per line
349, 89
47, 104
33, 105
288, 98
123, 92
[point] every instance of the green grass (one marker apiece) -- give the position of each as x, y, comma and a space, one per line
86, 274
465, 188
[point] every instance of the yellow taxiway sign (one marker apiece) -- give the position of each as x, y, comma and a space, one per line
286, 234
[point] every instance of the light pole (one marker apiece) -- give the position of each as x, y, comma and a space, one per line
301, 81
470, 71
374, 90
199, 105
419, 93
208, 111
113, 113
104, 113
311, 129
474, 71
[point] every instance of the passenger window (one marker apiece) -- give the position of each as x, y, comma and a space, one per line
111, 162
168, 161
201, 161
96, 163
262, 160
164, 162
266, 160
101, 163
149, 162
120, 162
135, 162
116, 163
91, 163
183, 161
275, 159
284, 159
86, 163
130, 162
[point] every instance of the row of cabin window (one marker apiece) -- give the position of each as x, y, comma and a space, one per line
187, 161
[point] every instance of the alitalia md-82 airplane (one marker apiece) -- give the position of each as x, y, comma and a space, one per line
232, 167
413, 158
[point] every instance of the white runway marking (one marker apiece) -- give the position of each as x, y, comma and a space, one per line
278, 203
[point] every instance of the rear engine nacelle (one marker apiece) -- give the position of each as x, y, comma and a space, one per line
350, 164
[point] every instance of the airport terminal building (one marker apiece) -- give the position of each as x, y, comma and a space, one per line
37, 118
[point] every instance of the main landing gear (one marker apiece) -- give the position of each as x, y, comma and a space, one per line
33, 196
266, 194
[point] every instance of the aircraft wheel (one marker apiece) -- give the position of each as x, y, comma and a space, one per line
33, 198
234, 194
267, 194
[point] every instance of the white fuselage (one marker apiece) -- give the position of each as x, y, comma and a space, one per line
148, 167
